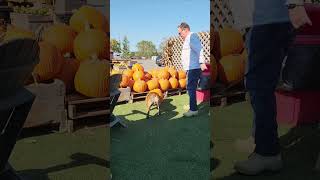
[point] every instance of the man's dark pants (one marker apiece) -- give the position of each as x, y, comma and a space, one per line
193, 77
268, 46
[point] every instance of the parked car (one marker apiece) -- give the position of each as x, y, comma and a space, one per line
159, 61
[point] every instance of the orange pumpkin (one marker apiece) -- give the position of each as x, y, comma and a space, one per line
68, 72
174, 83
128, 72
147, 76
138, 75
140, 86
90, 15
131, 83
62, 36
158, 91
164, 84
154, 73
183, 83
90, 43
231, 68
51, 61
173, 72
137, 67
182, 74
163, 74
231, 41
152, 84
124, 81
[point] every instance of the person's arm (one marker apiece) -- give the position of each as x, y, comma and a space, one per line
196, 46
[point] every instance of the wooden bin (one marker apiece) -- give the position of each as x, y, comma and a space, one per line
29, 21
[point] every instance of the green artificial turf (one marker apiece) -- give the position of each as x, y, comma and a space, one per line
55, 156
163, 147
300, 146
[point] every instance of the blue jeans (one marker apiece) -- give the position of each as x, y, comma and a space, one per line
268, 46
193, 77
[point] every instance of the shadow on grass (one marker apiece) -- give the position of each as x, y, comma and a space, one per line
300, 149
78, 159
161, 147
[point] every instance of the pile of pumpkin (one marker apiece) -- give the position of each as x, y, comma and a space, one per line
161, 79
73, 53
229, 61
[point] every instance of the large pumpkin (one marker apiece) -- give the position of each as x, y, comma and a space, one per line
17, 33
163, 74
182, 83
154, 73
89, 43
152, 84
90, 15
131, 83
124, 81
92, 78
173, 72
51, 61
182, 74
62, 36
174, 83
147, 76
137, 67
128, 72
231, 41
158, 91
138, 75
140, 86
164, 84
68, 72
231, 68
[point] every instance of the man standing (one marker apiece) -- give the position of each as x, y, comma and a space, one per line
193, 63
273, 27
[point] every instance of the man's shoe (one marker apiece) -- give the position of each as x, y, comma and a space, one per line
245, 145
257, 164
190, 113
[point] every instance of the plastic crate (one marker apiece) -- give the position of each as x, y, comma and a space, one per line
203, 95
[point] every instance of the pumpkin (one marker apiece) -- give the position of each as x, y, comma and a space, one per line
154, 73
214, 71
67, 73
173, 83
173, 72
147, 76
124, 81
138, 75
158, 91
182, 74
90, 15
89, 43
140, 86
131, 83
51, 61
62, 36
164, 84
137, 67
152, 84
17, 33
231, 68
92, 78
231, 41
163, 74
183, 83
128, 72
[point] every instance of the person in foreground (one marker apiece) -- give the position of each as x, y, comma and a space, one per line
273, 29
192, 62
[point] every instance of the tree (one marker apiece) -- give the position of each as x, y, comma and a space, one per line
162, 46
125, 47
115, 46
146, 49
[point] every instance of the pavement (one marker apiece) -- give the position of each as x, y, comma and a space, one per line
148, 64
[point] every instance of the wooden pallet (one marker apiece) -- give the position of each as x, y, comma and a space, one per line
80, 107
232, 95
142, 96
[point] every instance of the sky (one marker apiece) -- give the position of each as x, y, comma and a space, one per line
154, 20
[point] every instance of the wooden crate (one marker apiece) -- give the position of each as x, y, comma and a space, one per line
48, 107
142, 96
30, 22
79, 107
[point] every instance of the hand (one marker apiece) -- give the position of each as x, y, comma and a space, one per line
299, 17
203, 67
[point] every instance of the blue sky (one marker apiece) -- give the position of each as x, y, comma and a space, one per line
155, 20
